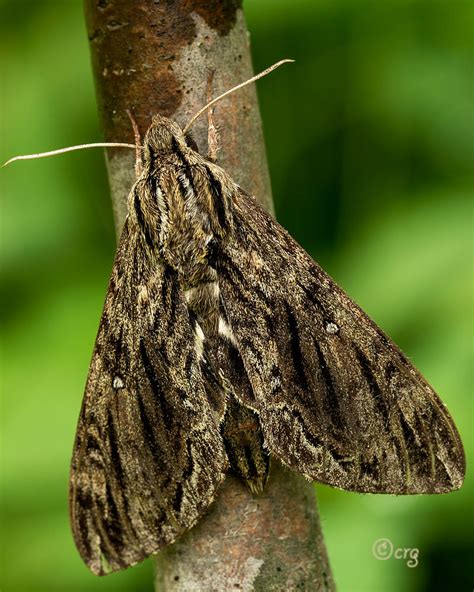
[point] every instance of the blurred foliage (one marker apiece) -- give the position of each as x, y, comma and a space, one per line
370, 144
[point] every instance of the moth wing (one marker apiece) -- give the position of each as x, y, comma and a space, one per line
148, 455
337, 399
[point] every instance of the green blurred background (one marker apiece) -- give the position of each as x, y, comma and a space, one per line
370, 144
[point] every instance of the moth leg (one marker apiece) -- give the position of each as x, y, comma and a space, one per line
212, 131
138, 144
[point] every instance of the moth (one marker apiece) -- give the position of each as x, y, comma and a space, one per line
223, 343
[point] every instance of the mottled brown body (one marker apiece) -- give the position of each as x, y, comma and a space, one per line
222, 341
182, 204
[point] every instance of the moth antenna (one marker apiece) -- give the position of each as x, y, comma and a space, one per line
69, 149
239, 86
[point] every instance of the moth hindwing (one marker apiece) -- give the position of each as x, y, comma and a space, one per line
222, 341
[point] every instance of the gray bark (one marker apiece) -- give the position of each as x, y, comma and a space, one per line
155, 57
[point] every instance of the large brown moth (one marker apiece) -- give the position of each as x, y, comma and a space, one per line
221, 343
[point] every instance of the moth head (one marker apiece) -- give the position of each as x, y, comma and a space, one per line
163, 137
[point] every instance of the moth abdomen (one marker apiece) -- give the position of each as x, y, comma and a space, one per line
244, 445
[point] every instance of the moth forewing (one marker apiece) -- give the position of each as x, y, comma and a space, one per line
149, 455
337, 400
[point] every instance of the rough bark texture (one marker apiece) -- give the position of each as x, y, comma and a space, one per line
272, 542
155, 57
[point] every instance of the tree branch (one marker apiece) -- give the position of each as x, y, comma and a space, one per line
155, 57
